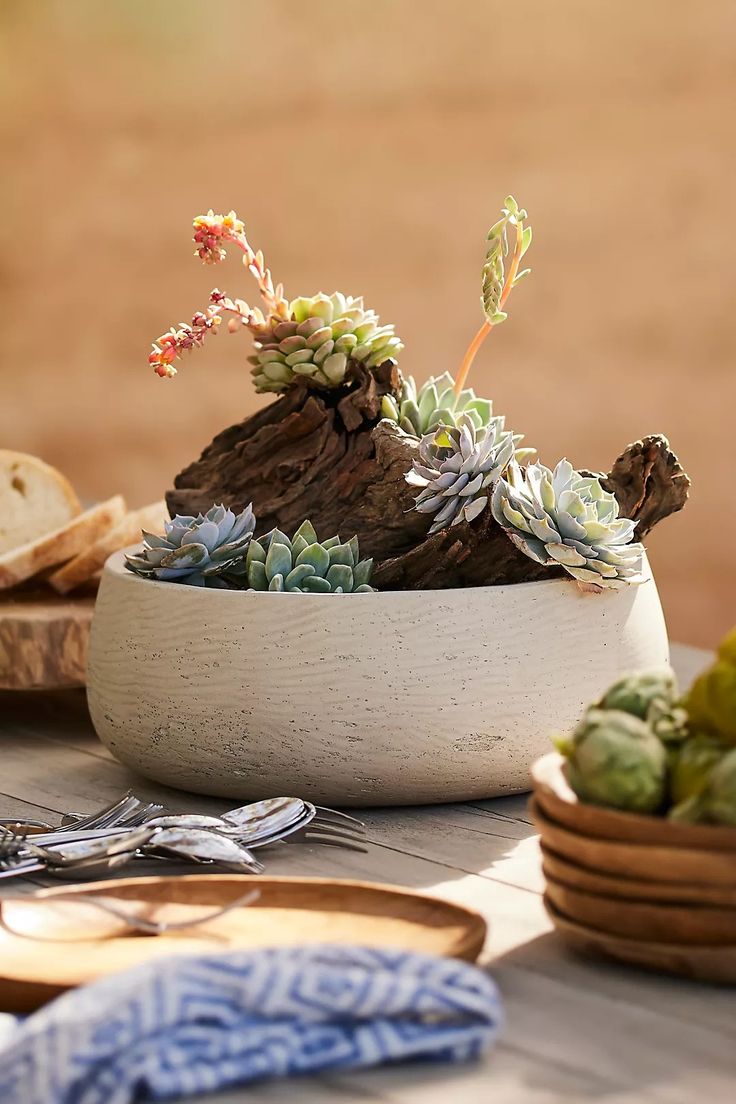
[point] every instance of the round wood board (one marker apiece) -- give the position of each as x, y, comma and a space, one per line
712, 963
36, 966
43, 639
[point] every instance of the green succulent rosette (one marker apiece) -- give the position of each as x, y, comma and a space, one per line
419, 411
318, 340
304, 564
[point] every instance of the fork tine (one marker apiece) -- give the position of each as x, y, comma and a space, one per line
331, 830
338, 815
332, 841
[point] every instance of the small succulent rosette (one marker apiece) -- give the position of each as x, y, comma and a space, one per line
422, 410
304, 564
566, 518
456, 466
317, 341
207, 550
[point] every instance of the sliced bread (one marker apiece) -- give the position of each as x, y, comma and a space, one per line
86, 565
34, 499
62, 544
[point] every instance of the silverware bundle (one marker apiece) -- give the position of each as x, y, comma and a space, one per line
88, 845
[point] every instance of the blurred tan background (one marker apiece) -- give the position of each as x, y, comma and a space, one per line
369, 145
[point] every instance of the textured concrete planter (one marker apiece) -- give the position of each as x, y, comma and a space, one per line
355, 699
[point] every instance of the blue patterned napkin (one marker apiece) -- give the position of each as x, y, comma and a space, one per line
191, 1025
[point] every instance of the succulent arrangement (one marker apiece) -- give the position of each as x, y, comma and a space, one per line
217, 549
345, 412
643, 748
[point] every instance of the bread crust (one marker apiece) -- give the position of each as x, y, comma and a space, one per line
17, 470
61, 544
89, 562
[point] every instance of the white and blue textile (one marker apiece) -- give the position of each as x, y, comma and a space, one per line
187, 1025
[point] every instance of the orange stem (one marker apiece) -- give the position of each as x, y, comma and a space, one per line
487, 326
469, 357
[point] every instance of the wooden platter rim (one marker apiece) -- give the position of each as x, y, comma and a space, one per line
20, 990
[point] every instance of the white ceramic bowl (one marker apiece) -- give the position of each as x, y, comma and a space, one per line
355, 699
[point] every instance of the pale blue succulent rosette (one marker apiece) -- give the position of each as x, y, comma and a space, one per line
197, 551
456, 467
566, 518
187, 1025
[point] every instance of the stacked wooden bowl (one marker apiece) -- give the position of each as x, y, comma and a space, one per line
641, 889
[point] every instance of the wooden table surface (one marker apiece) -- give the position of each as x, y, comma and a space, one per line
577, 1030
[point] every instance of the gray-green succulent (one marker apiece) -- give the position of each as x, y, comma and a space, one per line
614, 759
567, 518
322, 335
206, 550
303, 563
421, 410
456, 466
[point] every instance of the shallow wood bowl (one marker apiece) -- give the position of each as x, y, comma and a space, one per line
642, 861
557, 801
716, 963
50, 942
649, 921
574, 876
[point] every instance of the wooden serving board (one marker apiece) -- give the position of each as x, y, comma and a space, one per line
37, 963
43, 639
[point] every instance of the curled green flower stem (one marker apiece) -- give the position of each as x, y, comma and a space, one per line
487, 326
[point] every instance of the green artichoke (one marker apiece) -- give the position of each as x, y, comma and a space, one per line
304, 564
614, 759
567, 518
455, 468
207, 550
636, 693
711, 703
716, 801
692, 764
322, 335
420, 411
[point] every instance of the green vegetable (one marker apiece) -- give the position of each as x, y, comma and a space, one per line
716, 802
692, 764
614, 759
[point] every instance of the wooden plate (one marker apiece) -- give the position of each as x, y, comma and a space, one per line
43, 639
715, 963
579, 877
290, 911
644, 920
558, 801
637, 860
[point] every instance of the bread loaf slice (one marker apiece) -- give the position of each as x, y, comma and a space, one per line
34, 499
86, 565
62, 544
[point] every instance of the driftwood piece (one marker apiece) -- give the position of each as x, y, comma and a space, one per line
648, 482
479, 554
317, 455
325, 456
